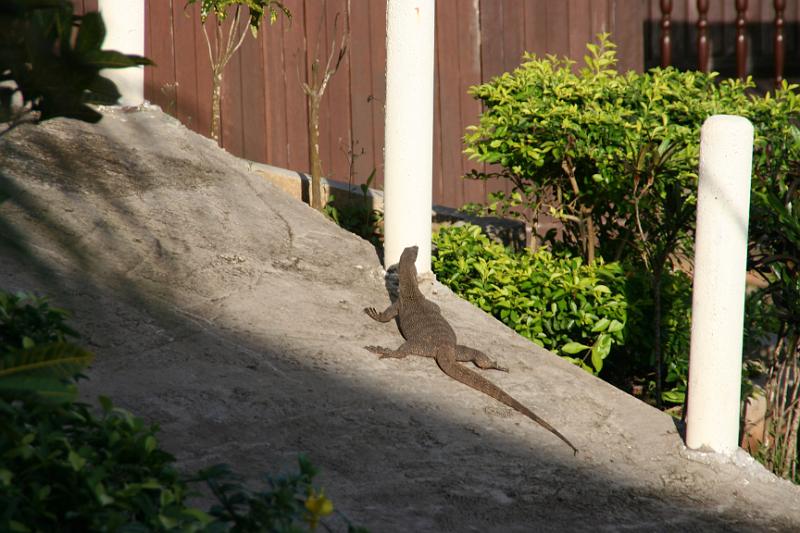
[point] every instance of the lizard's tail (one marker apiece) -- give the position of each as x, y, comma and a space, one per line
447, 362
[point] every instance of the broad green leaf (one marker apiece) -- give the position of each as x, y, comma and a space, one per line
574, 347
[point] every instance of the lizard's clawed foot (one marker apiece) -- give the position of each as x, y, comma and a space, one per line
372, 312
500, 368
385, 352
380, 350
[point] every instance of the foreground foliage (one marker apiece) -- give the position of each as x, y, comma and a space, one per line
54, 59
65, 468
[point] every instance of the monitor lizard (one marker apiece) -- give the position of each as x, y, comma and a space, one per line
428, 334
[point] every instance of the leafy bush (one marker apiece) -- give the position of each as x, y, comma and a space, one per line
775, 255
35, 352
573, 309
614, 157
62, 468
357, 215
65, 468
634, 364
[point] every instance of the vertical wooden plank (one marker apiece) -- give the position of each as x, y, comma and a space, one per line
274, 85
599, 22
161, 88
558, 28
337, 129
469, 66
513, 34
491, 28
185, 71
579, 24
492, 59
362, 106
254, 136
377, 13
294, 53
536, 27
626, 25
447, 49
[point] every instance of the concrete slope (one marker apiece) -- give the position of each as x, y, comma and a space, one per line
231, 314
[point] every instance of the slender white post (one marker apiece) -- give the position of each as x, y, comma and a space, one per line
124, 20
715, 362
408, 151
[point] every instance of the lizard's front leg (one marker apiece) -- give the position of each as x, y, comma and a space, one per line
387, 352
386, 316
405, 349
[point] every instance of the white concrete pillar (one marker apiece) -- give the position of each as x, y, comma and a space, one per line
715, 362
124, 20
408, 153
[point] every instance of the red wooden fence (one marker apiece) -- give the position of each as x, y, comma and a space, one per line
264, 109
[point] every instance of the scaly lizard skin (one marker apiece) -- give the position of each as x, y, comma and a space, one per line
428, 334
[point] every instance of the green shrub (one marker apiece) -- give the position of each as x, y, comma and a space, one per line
635, 362
357, 215
65, 468
614, 157
561, 304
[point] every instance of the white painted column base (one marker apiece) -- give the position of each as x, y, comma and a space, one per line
124, 20
715, 363
408, 151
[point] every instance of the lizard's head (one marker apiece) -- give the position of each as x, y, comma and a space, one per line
407, 272
409, 255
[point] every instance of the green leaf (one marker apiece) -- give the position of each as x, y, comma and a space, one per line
101, 59
615, 326
102, 496
76, 461
600, 350
674, 396
57, 359
105, 403
91, 34
574, 347
601, 325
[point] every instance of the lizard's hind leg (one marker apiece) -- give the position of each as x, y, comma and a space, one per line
481, 360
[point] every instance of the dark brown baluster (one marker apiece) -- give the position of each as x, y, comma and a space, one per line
780, 52
741, 38
702, 35
666, 33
